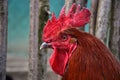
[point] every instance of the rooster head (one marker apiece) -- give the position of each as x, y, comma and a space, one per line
56, 37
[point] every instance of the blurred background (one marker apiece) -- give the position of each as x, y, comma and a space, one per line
18, 36
104, 24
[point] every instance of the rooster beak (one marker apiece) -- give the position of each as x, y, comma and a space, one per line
45, 45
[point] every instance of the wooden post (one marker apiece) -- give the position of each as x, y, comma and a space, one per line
103, 20
37, 58
3, 37
42, 54
33, 46
94, 8
115, 29
81, 2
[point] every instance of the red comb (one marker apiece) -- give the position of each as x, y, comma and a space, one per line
76, 17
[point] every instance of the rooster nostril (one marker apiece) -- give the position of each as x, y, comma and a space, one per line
49, 41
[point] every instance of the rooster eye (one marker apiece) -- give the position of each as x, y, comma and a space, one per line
64, 37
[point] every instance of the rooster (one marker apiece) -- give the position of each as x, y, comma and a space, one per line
78, 55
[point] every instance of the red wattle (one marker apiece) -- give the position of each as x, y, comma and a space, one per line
58, 61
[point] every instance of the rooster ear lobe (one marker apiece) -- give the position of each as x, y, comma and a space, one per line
73, 40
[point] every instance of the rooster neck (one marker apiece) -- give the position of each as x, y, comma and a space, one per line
92, 61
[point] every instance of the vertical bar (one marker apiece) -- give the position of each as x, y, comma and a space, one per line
114, 42
33, 43
94, 10
42, 54
3, 37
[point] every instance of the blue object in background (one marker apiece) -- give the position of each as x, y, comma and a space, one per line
56, 5
18, 27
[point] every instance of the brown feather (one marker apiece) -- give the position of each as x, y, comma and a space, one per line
91, 60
